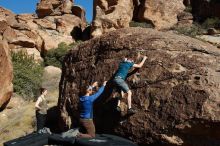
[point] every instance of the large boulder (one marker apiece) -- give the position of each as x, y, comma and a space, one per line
23, 41
9, 34
51, 79
79, 12
160, 13
45, 23
67, 6
6, 19
65, 24
205, 8
54, 7
6, 74
176, 93
3, 23
52, 38
46, 8
110, 15
8, 15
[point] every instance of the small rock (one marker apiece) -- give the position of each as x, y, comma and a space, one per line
212, 31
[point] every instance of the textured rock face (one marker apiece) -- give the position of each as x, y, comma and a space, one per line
6, 75
160, 13
34, 34
213, 39
51, 78
176, 92
206, 8
185, 19
114, 14
54, 7
80, 12
110, 15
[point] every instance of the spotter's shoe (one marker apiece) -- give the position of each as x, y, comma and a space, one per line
118, 109
131, 111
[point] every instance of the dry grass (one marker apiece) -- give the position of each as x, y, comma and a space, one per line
19, 118
20, 121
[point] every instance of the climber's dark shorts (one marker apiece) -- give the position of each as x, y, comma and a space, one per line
87, 126
121, 84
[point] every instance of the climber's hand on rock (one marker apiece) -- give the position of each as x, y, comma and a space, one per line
95, 84
104, 83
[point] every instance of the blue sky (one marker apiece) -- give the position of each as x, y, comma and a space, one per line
29, 6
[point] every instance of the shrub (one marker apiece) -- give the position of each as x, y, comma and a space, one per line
192, 31
27, 75
140, 24
188, 9
54, 57
211, 23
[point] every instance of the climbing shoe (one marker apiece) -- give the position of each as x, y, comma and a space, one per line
118, 109
131, 111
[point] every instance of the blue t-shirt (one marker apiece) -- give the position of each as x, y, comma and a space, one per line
86, 104
123, 69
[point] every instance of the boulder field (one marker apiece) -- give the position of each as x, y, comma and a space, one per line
54, 22
114, 14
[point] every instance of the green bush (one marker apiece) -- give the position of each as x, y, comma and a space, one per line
54, 57
27, 75
188, 9
211, 23
140, 24
192, 31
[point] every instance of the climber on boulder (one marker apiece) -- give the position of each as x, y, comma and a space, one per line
119, 80
87, 99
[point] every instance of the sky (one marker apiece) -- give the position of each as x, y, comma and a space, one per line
29, 6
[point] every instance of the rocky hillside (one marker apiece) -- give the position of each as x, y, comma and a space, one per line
53, 24
162, 15
176, 93
114, 14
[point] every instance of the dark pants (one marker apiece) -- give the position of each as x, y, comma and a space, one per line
41, 120
88, 127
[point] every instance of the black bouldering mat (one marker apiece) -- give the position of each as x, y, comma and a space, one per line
57, 139
33, 139
104, 140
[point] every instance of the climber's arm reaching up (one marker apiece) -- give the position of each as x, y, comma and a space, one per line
141, 63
